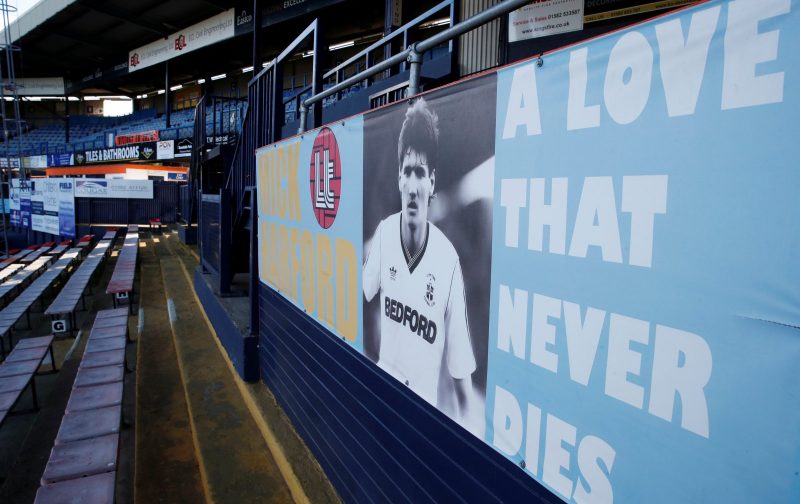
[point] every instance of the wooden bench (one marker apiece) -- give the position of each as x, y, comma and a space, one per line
66, 302
60, 248
83, 462
85, 242
18, 370
36, 253
120, 286
21, 305
14, 285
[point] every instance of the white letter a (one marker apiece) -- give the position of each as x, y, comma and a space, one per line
523, 103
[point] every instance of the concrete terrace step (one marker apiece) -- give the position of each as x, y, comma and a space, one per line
166, 468
232, 453
233, 456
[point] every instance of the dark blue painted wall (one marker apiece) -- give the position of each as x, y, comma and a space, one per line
376, 441
238, 343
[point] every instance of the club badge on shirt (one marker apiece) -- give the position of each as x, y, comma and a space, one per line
392, 273
429, 289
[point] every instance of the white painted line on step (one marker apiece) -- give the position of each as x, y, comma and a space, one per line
173, 316
140, 328
74, 345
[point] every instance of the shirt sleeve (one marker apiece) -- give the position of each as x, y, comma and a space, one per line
460, 358
372, 266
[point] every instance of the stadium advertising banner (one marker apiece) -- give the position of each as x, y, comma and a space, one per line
131, 138
53, 206
165, 149
20, 204
543, 18
14, 203
592, 267
309, 218
37, 207
66, 207
59, 160
183, 147
35, 161
135, 152
209, 31
46, 86
113, 188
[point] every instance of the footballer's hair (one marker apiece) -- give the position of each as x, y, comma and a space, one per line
420, 132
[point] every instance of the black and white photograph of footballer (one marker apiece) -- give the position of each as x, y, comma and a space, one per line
428, 189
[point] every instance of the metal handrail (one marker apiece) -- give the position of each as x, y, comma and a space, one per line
412, 54
365, 53
388, 38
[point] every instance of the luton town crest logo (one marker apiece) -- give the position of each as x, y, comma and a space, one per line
180, 42
325, 177
429, 289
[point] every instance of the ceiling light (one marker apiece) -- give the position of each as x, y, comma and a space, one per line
247, 69
218, 77
308, 54
175, 88
435, 22
201, 81
161, 91
342, 45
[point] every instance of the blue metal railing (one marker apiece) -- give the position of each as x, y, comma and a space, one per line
368, 57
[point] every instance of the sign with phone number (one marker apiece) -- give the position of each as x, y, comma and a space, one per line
541, 19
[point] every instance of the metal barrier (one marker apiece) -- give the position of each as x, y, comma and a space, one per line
185, 208
164, 205
210, 232
367, 58
412, 55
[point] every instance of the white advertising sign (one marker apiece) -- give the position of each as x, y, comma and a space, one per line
53, 206
543, 18
9, 162
210, 31
35, 161
14, 203
37, 207
165, 149
44, 86
113, 188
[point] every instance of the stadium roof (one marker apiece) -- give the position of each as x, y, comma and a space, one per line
88, 41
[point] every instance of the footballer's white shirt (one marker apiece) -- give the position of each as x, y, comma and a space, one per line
423, 308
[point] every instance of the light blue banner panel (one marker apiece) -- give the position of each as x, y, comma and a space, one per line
309, 217
645, 308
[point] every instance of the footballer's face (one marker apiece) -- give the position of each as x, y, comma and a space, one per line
416, 187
